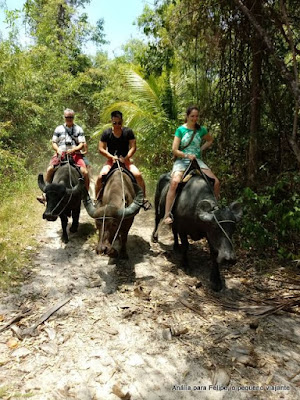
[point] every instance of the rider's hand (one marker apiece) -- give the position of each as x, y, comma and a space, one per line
191, 156
70, 151
59, 152
115, 158
122, 159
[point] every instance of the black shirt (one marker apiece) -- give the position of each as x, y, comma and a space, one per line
117, 146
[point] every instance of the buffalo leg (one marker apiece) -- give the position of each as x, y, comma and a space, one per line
123, 252
185, 247
64, 223
215, 277
75, 220
175, 235
155, 233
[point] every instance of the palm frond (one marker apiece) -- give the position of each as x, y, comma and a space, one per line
146, 93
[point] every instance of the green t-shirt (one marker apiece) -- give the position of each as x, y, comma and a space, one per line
185, 136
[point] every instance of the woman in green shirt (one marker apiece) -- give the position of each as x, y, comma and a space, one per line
185, 150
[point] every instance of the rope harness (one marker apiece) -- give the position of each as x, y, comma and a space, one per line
104, 216
216, 208
71, 194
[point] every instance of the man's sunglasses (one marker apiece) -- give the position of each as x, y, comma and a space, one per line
69, 117
117, 123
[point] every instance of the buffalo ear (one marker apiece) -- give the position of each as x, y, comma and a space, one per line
204, 209
236, 209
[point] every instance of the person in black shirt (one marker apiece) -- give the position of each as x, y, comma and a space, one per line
119, 143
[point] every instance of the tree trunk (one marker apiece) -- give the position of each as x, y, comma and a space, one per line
291, 80
253, 158
256, 49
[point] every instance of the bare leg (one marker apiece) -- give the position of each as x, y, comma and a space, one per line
140, 181
85, 174
176, 178
209, 173
138, 176
48, 179
98, 186
49, 174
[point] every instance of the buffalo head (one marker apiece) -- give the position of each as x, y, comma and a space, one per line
58, 197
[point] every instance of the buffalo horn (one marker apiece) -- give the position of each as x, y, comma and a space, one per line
41, 182
113, 211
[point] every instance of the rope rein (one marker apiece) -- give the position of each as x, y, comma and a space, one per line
104, 216
123, 198
103, 223
71, 194
215, 208
222, 229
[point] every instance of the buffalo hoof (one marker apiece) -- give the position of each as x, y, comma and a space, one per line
124, 255
154, 237
176, 248
184, 265
64, 239
216, 284
74, 228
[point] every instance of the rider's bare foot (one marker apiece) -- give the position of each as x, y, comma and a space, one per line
168, 220
147, 205
41, 199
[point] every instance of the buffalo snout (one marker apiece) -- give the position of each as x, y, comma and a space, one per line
106, 249
226, 257
49, 217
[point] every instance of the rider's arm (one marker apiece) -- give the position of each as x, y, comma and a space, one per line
208, 141
84, 148
103, 150
56, 148
178, 153
132, 149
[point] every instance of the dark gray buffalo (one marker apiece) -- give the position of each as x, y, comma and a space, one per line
197, 215
114, 215
63, 197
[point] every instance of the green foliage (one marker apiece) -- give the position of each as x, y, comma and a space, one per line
149, 113
12, 171
19, 223
272, 218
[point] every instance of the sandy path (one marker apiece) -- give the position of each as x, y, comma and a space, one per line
128, 332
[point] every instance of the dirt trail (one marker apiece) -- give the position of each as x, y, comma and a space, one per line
141, 329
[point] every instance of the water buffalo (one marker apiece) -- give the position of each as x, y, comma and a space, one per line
197, 215
121, 201
63, 197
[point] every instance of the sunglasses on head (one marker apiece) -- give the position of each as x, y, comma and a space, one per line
117, 123
69, 117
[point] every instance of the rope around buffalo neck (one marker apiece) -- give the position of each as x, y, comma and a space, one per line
71, 194
103, 223
216, 200
123, 198
222, 229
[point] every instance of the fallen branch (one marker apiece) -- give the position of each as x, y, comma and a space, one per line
17, 318
44, 317
191, 307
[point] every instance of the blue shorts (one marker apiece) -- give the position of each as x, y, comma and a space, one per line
181, 164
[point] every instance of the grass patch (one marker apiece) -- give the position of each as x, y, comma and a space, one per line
6, 394
20, 216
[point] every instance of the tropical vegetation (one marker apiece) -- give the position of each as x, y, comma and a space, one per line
237, 59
